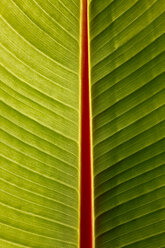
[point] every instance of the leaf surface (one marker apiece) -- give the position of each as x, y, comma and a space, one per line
127, 83
39, 123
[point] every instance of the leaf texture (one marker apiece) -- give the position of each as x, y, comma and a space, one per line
39, 123
128, 95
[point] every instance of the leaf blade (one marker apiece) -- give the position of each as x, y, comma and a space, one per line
127, 69
39, 91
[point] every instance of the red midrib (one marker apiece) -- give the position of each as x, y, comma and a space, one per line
86, 187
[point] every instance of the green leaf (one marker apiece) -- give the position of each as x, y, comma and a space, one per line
39, 130
40, 122
127, 79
